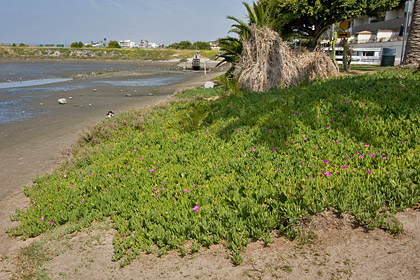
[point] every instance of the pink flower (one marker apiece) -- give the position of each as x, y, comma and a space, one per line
275, 148
348, 101
152, 170
140, 158
327, 174
315, 148
51, 223
348, 157
185, 191
384, 156
239, 129
207, 132
345, 167
269, 130
344, 115
369, 172
156, 195
367, 117
107, 190
326, 160
304, 138
253, 149
65, 176
42, 219
360, 156
134, 150
162, 188
174, 141
302, 162
193, 185
366, 144
196, 208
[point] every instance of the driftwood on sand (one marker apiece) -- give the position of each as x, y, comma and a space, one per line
268, 62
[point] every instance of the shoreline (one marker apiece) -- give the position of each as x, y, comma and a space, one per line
21, 142
39, 146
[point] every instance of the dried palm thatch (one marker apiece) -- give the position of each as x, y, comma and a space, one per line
268, 62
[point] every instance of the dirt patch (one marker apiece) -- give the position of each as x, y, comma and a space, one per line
335, 249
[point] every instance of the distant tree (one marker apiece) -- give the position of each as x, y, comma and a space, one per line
76, 45
14, 45
21, 45
202, 45
183, 45
114, 45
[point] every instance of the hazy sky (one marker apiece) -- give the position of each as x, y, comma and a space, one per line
158, 21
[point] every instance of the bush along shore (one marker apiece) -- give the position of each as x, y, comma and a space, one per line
239, 167
100, 53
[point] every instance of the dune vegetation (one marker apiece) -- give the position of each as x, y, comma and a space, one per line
236, 168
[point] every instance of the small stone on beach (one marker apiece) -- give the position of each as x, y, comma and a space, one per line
62, 101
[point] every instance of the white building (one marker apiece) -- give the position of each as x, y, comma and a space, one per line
383, 31
128, 44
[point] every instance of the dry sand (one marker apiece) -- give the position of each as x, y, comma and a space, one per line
36, 147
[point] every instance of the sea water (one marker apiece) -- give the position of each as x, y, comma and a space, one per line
22, 83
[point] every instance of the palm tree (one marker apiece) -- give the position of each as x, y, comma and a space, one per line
259, 14
412, 53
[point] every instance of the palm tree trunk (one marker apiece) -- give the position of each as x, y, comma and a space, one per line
412, 53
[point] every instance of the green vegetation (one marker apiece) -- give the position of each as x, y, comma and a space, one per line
76, 45
239, 167
103, 53
187, 45
113, 45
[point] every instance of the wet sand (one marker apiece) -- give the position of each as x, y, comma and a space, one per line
34, 147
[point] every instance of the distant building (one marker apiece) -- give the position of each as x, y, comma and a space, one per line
98, 44
214, 46
383, 31
128, 44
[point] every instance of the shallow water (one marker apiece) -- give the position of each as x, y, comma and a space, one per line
32, 70
31, 83
23, 82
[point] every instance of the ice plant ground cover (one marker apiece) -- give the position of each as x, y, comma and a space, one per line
237, 168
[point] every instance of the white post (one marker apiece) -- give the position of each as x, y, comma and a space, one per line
205, 71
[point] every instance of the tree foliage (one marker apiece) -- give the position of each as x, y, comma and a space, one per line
260, 15
76, 45
113, 44
311, 18
187, 45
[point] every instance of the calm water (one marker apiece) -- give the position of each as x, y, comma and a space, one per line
23, 82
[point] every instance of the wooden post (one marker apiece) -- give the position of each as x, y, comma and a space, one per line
345, 49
